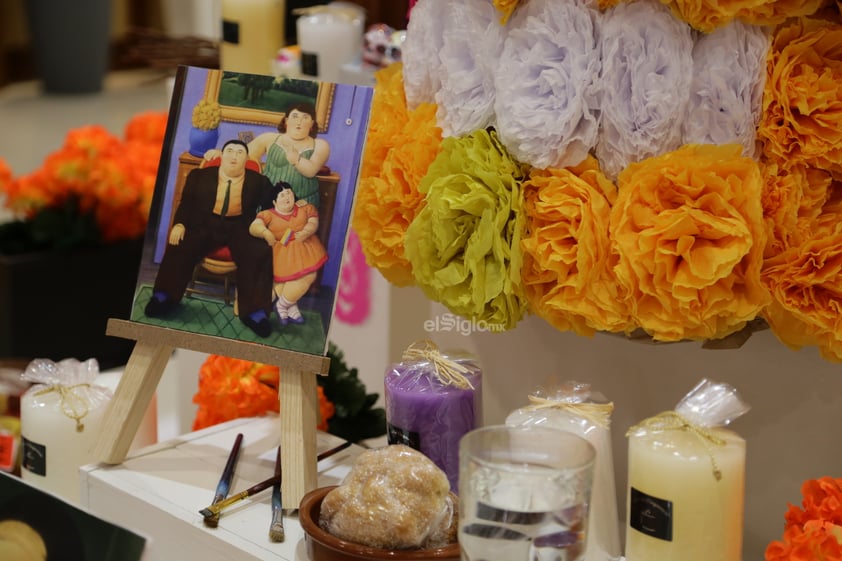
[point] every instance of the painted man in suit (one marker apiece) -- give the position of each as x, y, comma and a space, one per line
217, 206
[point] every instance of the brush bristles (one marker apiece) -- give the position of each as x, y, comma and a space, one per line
212, 521
276, 532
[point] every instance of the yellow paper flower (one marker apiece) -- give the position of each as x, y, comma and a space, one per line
387, 194
807, 296
464, 245
777, 11
568, 257
689, 230
793, 197
505, 7
801, 121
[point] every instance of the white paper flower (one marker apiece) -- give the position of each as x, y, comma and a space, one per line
647, 67
472, 41
546, 108
422, 69
729, 71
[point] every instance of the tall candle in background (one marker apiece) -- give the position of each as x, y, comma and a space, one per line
252, 35
329, 36
61, 419
428, 412
686, 481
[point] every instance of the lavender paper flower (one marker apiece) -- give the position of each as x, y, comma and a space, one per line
729, 72
647, 67
422, 69
546, 107
472, 41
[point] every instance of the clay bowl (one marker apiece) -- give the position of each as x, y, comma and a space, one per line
322, 546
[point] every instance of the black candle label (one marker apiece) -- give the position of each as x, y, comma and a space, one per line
34, 457
231, 32
651, 515
309, 64
397, 435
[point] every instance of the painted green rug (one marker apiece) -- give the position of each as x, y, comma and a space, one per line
210, 316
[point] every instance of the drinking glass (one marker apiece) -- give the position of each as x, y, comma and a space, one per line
523, 494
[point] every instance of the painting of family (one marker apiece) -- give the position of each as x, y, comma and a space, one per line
247, 231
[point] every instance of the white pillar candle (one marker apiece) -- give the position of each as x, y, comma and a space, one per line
563, 410
329, 36
686, 480
61, 420
252, 35
677, 508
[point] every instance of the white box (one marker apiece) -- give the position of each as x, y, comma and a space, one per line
159, 490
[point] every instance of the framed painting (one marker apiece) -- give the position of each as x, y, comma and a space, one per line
265, 268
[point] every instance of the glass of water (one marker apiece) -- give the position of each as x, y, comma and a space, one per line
523, 494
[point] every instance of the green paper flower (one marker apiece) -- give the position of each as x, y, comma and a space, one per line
464, 246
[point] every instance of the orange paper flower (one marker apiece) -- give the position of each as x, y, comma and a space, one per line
689, 232
400, 147
505, 7
231, 388
112, 179
812, 532
568, 256
801, 121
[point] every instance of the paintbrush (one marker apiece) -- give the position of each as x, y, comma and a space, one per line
276, 529
224, 484
265, 484
254, 489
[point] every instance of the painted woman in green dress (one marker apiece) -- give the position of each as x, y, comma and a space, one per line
293, 154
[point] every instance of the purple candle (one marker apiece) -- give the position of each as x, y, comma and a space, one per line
431, 412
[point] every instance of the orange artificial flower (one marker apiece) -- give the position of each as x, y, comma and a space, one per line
813, 532
505, 7
801, 122
111, 178
777, 11
231, 388
688, 226
400, 146
568, 256
806, 292
793, 197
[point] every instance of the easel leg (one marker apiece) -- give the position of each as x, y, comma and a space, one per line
298, 418
134, 392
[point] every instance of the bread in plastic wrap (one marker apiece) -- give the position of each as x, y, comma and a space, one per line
394, 497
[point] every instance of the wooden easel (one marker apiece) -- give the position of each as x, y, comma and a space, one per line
153, 348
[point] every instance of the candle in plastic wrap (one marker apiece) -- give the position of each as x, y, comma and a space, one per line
574, 407
432, 400
686, 480
61, 420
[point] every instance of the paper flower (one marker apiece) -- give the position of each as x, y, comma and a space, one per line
814, 531
505, 7
546, 105
231, 388
802, 122
776, 12
464, 245
420, 52
472, 39
568, 256
806, 293
647, 67
689, 231
729, 70
402, 144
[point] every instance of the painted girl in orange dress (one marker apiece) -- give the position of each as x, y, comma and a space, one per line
298, 254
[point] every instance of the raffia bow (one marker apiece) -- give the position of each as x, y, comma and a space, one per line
597, 413
448, 371
72, 405
670, 420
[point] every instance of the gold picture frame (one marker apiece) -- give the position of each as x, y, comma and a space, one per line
323, 103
